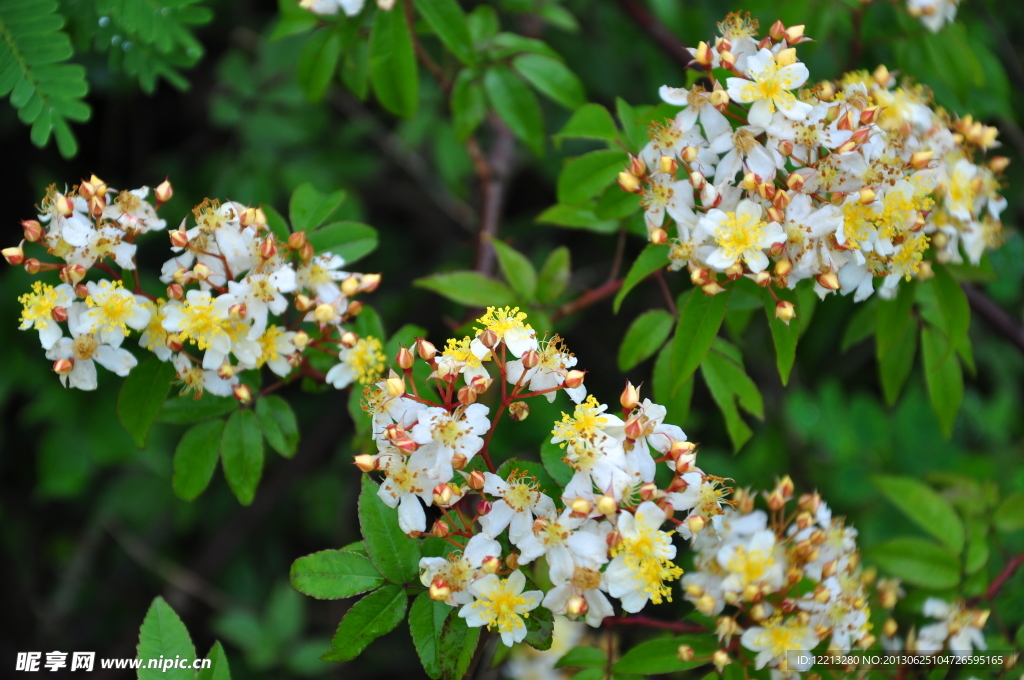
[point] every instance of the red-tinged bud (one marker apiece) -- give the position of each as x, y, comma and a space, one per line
882, 75
628, 182
826, 91
324, 313
830, 568
785, 148
649, 491
795, 34
734, 271
476, 480
681, 448
175, 291
268, 248
200, 271
793, 576
72, 273
658, 236
921, 159
677, 485
634, 428
425, 349
829, 280
866, 196
710, 197
574, 379
699, 277
719, 99
86, 189
607, 506
776, 501
226, 371
518, 411
489, 339
65, 206
530, 359
238, 311
63, 366
786, 487
809, 502
712, 289
688, 154
32, 229
32, 265
365, 462
354, 308
242, 393
97, 204
349, 339
440, 590
775, 215
163, 192
306, 252
512, 561
480, 383
247, 217
459, 461
763, 279
703, 55
172, 341
785, 311
81, 291
576, 606
300, 340
846, 122
14, 255
765, 190
848, 146
782, 199
759, 612
869, 115
59, 314
997, 163
925, 271
581, 507
890, 628
861, 135
668, 165
837, 198
350, 286
804, 519
297, 240
491, 565
404, 358
630, 396
466, 395
832, 114
395, 386
723, 44
786, 57
182, 276
765, 44
440, 529
727, 60
697, 180
939, 240
776, 249
777, 31
637, 167
795, 181
667, 508
260, 219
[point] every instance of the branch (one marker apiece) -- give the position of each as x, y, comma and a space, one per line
1008, 571
675, 626
587, 299
666, 40
995, 315
493, 172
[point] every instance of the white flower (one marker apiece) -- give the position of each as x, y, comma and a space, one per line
407, 480
319, 275
934, 14
103, 242
37, 310
549, 373
740, 235
593, 445
349, 7
501, 605
775, 637
642, 561
196, 379
363, 363
508, 323
741, 146
455, 432
458, 570
752, 564
697, 108
663, 193
261, 293
131, 211
769, 87
518, 500
113, 310
202, 320
88, 349
960, 627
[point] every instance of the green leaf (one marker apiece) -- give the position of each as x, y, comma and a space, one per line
292, 19
590, 121
636, 134
540, 627
532, 469
516, 105
661, 655
644, 337
468, 104
616, 204
378, 613
458, 644
676, 405
586, 176
241, 453
977, 553
472, 289
350, 240
448, 21
784, 336
552, 78
393, 553
276, 223
393, 64
164, 635
505, 45
1009, 516
355, 69
729, 385
917, 561
218, 669
426, 622
927, 509
861, 325
953, 302
551, 456
554, 275
195, 458
892, 319
577, 216
700, 317
943, 376
317, 62
309, 208
650, 260
185, 410
334, 574
895, 368
483, 23
277, 420
583, 657
517, 269
142, 396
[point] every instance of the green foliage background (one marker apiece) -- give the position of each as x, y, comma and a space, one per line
90, 530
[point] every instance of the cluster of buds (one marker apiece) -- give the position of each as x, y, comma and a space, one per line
855, 184
228, 284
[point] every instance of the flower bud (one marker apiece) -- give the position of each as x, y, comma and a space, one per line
395, 386
890, 627
480, 383
775, 500
72, 273
613, 539
763, 279
759, 612
921, 159
712, 289
634, 428
785, 148
64, 205
32, 265
163, 192
268, 248
785, 57
306, 252
866, 196
175, 291
703, 55
581, 507
512, 561
637, 167
242, 393
689, 154
459, 461
324, 313
32, 229
996, 163
489, 339
848, 146
237, 311
491, 565
201, 272
668, 165
354, 308
734, 271
649, 491
829, 280
607, 506
719, 99
518, 411
726, 627
425, 349
630, 396
14, 255
783, 268
404, 358
727, 60
179, 238
697, 180
63, 366
467, 396
530, 359
775, 215
440, 529
658, 236
795, 181
700, 277
628, 182
786, 487
795, 34
440, 590
97, 204
695, 523
706, 604
182, 276
576, 606
369, 282
297, 240
350, 286
777, 31
574, 379
822, 595
349, 339
365, 462
685, 653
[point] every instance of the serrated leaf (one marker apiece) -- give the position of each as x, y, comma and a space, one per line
554, 275
784, 336
552, 78
925, 507
943, 376
241, 453
516, 105
661, 655
458, 644
142, 396
350, 240
540, 627
700, 317
395, 555
334, 574
374, 615
218, 669
590, 121
586, 176
309, 208
164, 635
517, 269
644, 337
448, 21
195, 459
729, 387
317, 62
582, 657
468, 104
677, 405
426, 621
393, 64
650, 260
917, 561
277, 421
472, 289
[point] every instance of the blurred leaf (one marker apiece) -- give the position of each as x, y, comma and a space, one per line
1009, 516
334, 574
517, 269
861, 325
661, 656
784, 336
195, 459
458, 644
554, 275
644, 337
953, 302
355, 69
309, 208
468, 104
892, 319
652, 259
185, 410
350, 240
142, 396
516, 105
369, 618
943, 376
393, 64
483, 23
577, 216
426, 621
551, 77
318, 61
582, 657
925, 507
590, 121
277, 421
917, 561
700, 317
292, 19
472, 289
895, 368
504, 45
241, 453
977, 552
285, 615
218, 669
164, 635
586, 176
729, 385
448, 21
393, 553
616, 204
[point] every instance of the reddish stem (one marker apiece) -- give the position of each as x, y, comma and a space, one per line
1008, 571
675, 626
587, 299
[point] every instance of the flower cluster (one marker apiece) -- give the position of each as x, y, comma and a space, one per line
850, 183
351, 8
934, 14
228, 284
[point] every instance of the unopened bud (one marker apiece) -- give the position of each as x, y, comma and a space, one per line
306, 252
64, 205
786, 487
783, 268
695, 523
607, 506
649, 491
179, 238
576, 606
830, 568
72, 273
32, 265
530, 359
763, 279
829, 280
775, 215
369, 283
247, 217
703, 54
795, 181
518, 411
668, 165
404, 358
32, 229
324, 313
847, 147
491, 565
785, 57
512, 561
467, 395
629, 182
700, 277
300, 340
163, 192
581, 507
759, 612
712, 289
349, 339
689, 154
658, 236
574, 379
97, 204
459, 461
440, 590
201, 272
354, 308
630, 396
866, 196
365, 462
775, 500
777, 31
613, 539
727, 60
890, 628
226, 371
297, 240
826, 91
921, 159
425, 349
726, 627
489, 339
172, 341
350, 286
63, 366
685, 653
719, 99
237, 311
881, 75
832, 114
721, 659
175, 291
861, 135
476, 480
804, 520
924, 270
637, 167
697, 180
996, 163
242, 393
481, 383
706, 604
734, 271
795, 34
440, 529
268, 248
14, 255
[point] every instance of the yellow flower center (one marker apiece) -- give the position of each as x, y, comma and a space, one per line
115, 306
739, 233
583, 424
155, 334
780, 637
200, 323
521, 494
460, 352
644, 556
498, 608
502, 320
38, 305
752, 566
447, 431
907, 260
586, 579
84, 346
268, 345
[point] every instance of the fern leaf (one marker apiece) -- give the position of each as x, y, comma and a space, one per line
45, 89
